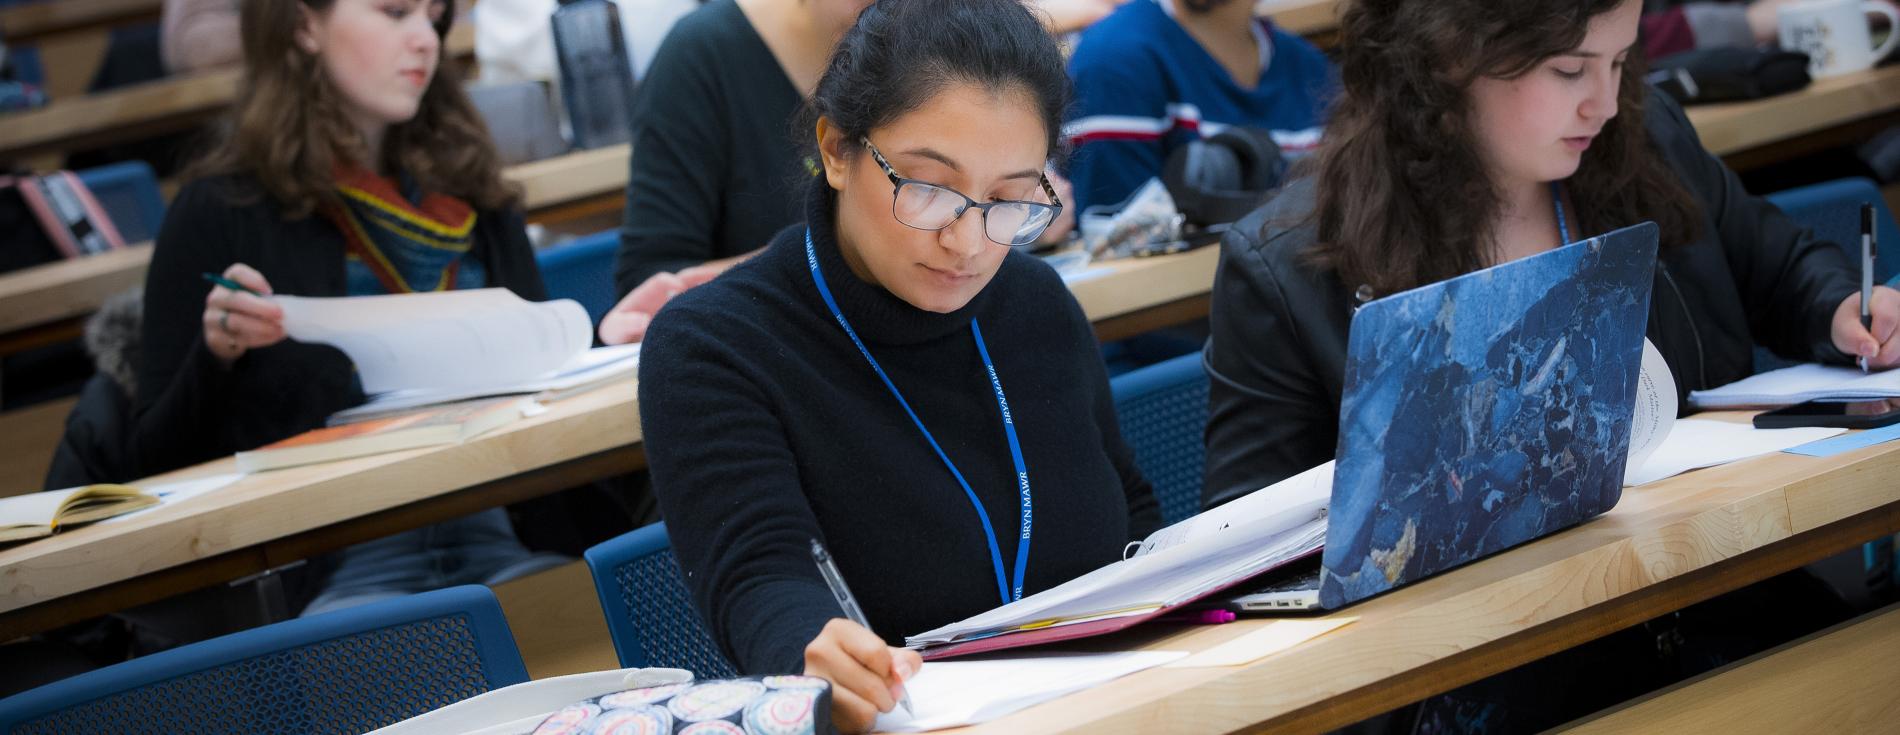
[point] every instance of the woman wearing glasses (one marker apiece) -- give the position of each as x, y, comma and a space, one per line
892, 377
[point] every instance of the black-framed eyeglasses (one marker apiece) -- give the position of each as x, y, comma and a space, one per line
926, 206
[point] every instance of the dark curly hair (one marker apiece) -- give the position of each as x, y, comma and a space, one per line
1403, 197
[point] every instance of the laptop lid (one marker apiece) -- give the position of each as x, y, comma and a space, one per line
1485, 411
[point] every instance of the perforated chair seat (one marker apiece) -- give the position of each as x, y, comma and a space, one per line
650, 614
348, 671
1162, 410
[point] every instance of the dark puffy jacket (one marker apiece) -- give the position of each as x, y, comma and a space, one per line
1276, 354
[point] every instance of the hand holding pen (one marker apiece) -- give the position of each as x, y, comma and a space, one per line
866, 676
1867, 323
239, 315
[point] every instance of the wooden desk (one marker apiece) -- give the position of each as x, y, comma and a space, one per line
46, 304
21, 25
65, 289
1749, 134
575, 186
1317, 20
270, 519
28, 437
141, 111
1136, 295
1665, 546
1839, 680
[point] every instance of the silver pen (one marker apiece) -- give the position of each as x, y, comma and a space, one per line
1866, 273
834, 580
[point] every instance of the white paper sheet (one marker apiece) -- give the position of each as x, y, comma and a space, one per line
1655, 409
588, 367
1286, 525
953, 693
1308, 492
1697, 443
443, 340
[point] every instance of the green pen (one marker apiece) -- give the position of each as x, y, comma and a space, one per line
230, 284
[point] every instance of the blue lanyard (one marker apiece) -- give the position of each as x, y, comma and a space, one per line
1563, 227
1003, 588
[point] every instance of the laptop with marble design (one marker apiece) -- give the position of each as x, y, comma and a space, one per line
1480, 413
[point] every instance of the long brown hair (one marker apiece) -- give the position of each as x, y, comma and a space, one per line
288, 129
1403, 197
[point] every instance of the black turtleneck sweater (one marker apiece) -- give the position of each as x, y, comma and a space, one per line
766, 428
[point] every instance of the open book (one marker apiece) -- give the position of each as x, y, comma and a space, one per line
41, 514
424, 427
426, 348
1174, 566
1663, 446
1801, 383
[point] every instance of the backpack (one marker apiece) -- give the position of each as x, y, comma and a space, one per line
50, 217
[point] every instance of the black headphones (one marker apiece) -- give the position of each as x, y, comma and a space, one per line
1220, 179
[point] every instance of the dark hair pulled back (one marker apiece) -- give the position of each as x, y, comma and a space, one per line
901, 53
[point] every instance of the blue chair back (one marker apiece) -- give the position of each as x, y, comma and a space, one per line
649, 612
128, 191
350, 671
1832, 211
1163, 413
583, 270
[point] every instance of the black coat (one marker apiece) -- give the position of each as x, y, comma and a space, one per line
190, 409
1276, 354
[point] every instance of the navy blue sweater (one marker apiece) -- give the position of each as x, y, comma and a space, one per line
1144, 87
766, 428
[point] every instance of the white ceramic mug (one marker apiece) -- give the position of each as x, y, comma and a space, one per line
1835, 34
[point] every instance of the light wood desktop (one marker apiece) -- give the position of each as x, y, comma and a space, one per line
1839, 680
1751, 131
270, 519
1758, 132
65, 289
45, 303
1663, 547
28, 438
1308, 18
168, 105
27, 23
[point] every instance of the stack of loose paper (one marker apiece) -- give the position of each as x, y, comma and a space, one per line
1810, 382
588, 370
1173, 566
1663, 446
954, 693
423, 349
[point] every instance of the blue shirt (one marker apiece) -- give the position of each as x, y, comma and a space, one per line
1143, 87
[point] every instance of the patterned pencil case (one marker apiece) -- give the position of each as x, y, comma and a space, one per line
766, 705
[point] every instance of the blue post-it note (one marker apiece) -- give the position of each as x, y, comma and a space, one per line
1847, 442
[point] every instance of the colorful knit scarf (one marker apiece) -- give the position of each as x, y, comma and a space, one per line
399, 240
